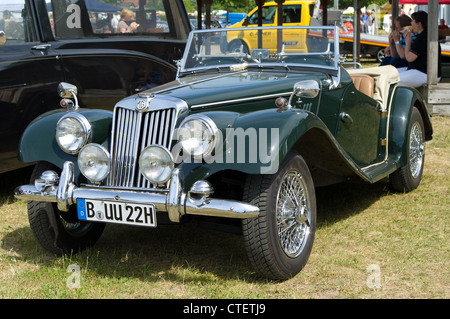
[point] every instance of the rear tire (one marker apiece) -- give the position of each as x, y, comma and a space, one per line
59, 232
279, 241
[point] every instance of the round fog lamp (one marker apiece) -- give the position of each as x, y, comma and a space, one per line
156, 164
94, 163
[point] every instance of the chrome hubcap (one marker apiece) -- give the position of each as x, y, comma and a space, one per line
416, 150
293, 213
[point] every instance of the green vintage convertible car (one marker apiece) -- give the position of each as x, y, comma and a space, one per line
243, 136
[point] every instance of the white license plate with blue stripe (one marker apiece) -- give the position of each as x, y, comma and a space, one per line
116, 212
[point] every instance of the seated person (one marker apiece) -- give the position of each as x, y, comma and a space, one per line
394, 55
125, 24
416, 53
12, 29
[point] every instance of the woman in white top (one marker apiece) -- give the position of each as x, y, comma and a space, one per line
125, 17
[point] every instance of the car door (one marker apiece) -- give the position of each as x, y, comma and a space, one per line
107, 65
358, 126
29, 75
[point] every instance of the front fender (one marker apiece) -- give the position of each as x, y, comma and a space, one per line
252, 143
38, 141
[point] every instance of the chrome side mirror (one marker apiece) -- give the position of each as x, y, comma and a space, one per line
308, 89
304, 89
68, 91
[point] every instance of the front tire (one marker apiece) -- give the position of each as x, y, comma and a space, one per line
59, 232
408, 177
279, 241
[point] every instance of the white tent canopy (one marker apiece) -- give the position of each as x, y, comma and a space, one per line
12, 5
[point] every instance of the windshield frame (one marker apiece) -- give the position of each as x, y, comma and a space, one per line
329, 69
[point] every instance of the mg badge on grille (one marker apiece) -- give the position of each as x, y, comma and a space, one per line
143, 103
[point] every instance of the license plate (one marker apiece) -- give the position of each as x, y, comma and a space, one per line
116, 212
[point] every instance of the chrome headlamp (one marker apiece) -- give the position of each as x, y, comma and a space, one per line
197, 135
73, 131
156, 164
94, 162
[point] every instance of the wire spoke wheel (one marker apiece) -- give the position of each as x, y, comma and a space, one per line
416, 150
280, 239
293, 213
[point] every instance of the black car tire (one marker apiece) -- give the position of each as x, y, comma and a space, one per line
408, 177
380, 55
59, 232
272, 254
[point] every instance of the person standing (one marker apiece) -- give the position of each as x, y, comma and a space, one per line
364, 22
387, 21
416, 53
370, 22
442, 26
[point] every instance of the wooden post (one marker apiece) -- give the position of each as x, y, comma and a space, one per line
199, 14
433, 42
356, 30
324, 4
208, 13
395, 13
279, 23
260, 4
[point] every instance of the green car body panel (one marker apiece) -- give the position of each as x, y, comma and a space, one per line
311, 126
38, 142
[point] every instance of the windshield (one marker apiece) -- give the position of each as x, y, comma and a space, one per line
232, 49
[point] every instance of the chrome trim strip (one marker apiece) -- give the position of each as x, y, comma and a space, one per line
249, 99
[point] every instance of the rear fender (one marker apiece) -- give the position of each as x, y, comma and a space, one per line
405, 99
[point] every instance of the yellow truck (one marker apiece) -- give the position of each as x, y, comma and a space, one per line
294, 13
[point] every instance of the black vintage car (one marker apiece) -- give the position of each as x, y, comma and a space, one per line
45, 42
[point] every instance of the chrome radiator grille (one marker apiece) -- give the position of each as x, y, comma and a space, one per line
132, 132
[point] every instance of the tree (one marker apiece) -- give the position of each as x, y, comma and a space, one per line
343, 4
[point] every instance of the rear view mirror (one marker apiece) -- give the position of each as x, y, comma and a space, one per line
260, 54
67, 90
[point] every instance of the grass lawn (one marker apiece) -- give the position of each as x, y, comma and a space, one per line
370, 243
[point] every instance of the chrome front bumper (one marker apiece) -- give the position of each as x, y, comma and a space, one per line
172, 200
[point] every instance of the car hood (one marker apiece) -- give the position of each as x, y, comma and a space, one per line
231, 87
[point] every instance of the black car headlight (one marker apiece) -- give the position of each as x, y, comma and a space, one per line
197, 135
73, 131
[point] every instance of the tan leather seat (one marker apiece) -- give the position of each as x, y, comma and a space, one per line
364, 83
